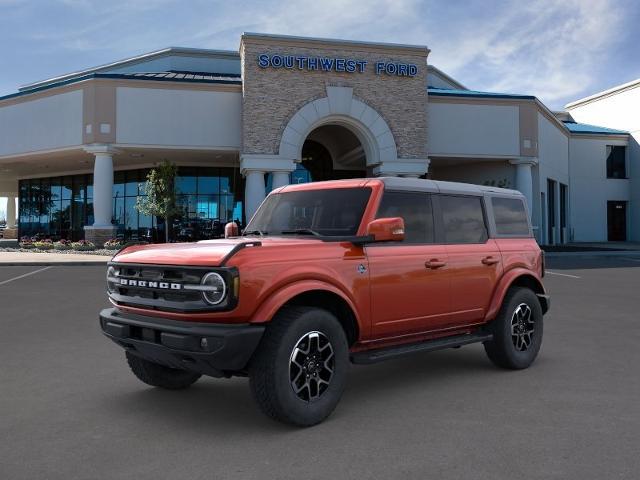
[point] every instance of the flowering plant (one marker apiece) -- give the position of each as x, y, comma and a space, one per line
62, 244
114, 243
83, 245
45, 244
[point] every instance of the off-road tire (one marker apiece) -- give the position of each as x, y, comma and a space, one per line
270, 368
160, 376
503, 350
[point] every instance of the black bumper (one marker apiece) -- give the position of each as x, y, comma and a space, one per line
210, 349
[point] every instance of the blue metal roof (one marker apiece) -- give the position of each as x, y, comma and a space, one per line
172, 76
593, 129
447, 92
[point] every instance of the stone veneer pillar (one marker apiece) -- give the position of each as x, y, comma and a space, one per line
102, 228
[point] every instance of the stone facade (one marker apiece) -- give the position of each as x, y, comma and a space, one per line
272, 96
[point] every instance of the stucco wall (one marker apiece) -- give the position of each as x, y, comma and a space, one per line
620, 111
148, 116
42, 124
590, 189
271, 96
467, 129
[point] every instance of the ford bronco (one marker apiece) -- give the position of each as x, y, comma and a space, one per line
330, 273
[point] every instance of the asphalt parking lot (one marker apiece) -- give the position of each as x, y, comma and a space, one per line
70, 409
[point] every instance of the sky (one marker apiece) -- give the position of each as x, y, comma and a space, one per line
558, 50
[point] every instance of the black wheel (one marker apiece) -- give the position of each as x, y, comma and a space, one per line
298, 372
517, 330
160, 376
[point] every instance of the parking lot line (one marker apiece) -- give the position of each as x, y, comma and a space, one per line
25, 275
562, 274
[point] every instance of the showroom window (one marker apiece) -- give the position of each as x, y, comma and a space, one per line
60, 207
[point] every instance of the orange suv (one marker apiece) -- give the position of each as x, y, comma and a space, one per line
329, 273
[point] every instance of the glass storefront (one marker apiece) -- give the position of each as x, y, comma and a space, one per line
60, 207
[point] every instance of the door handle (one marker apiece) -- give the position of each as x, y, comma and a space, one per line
490, 260
434, 263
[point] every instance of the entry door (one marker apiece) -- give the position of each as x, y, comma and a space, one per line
474, 260
409, 279
617, 221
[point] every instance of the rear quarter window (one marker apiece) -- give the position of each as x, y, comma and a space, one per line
510, 216
463, 219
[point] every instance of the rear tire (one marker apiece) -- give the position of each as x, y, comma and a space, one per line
299, 370
517, 330
160, 376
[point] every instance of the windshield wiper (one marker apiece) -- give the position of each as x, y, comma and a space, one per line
301, 231
254, 232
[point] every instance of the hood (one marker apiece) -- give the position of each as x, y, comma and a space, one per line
209, 253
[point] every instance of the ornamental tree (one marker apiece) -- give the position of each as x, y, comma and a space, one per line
160, 199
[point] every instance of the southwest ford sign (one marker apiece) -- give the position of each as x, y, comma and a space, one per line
341, 65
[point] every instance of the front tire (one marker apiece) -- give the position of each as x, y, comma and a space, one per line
517, 330
298, 372
160, 376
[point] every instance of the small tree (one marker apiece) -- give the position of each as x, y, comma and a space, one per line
160, 199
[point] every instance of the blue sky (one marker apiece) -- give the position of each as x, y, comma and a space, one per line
559, 50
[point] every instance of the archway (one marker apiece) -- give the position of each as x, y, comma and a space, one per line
333, 152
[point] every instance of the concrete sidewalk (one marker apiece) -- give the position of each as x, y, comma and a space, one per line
44, 259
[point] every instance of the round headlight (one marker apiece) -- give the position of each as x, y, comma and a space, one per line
215, 290
111, 274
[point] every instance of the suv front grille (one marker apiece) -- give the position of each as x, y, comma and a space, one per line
161, 287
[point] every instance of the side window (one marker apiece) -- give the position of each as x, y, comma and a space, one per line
510, 216
463, 220
415, 210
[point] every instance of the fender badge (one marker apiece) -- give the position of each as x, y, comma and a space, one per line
362, 268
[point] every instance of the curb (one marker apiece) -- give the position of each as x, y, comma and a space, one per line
52, 264
597, 253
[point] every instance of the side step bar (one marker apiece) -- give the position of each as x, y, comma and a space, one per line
389, 353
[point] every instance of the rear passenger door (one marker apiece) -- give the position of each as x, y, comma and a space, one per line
474, 261
409, 279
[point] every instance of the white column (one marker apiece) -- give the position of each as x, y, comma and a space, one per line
254, 192
11, 212
103, 189
280, 179
524, 179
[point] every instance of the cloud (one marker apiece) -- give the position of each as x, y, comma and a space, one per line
555, 49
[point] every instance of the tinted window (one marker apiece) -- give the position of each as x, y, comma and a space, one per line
415, 210
336, 211
616, 162
510, 216
463, 220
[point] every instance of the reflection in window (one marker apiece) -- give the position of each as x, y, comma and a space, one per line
60, 207
463, 219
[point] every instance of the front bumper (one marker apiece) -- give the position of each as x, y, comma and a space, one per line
210, 349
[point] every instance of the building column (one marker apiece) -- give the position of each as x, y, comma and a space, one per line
102, 229
524, 179
254, 192
11, 212
280, 179
253, 167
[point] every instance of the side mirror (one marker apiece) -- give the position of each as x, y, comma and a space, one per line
386, 229
231, 230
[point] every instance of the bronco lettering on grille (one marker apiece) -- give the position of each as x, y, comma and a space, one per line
148, 284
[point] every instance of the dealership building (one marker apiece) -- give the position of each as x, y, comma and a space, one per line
75, 149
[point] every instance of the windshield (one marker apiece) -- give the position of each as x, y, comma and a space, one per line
329, 212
